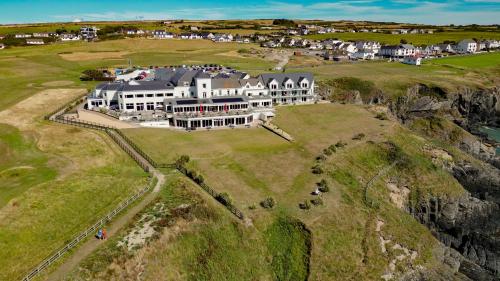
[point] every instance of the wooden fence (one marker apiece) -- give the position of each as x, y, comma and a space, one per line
89, 231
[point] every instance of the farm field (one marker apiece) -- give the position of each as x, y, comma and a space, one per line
415, 39
267, 166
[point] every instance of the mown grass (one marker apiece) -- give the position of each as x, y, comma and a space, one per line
416, 39
486, 60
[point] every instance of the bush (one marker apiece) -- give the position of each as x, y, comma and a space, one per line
317, 201
381, 116
305, 205
224, 198
359, 136
324, 189
199, 179
252, 207
327, 152
268, 203
316, 169
183, 159
340, 144
321, 157
332, 148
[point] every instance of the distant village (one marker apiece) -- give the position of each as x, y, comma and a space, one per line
329, 49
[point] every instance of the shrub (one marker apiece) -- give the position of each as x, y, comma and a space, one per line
305, 205
199, 179
359, 136
321, 157
317, 201
316, 169
224, 198
324, 189
268, 203
340, 144
181, 161
332, 148
252, 207
327, 151
381, 116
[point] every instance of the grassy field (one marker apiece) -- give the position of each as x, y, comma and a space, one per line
416, 39
23, 166
488, 60
343, 227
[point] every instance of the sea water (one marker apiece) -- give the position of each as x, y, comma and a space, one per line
493, 133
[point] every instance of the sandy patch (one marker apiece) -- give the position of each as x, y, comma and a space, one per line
58, 83
23, 114
83, 56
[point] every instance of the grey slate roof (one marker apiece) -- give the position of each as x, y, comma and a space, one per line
147, 86
282, 77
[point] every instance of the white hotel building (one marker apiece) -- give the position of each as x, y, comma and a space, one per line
195, 98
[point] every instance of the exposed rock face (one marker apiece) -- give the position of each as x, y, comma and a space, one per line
483, 181
478, 106
470, 226
466, 107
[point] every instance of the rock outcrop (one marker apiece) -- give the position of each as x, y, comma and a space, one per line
469, 226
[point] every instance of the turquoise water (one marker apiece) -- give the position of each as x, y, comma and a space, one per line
493, 133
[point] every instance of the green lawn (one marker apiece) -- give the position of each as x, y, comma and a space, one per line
487, 60
416, 39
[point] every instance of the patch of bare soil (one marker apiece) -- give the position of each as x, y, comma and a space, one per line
24, 114
83, 56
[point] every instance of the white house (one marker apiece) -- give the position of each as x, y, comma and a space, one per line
368, 45
401, 50
448, 48
413, 60
162, 34
467, 46
88, 33
69, 37
492, 44
41, 34
364, 54
223, 38
2, 46
34, 41
23, 35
